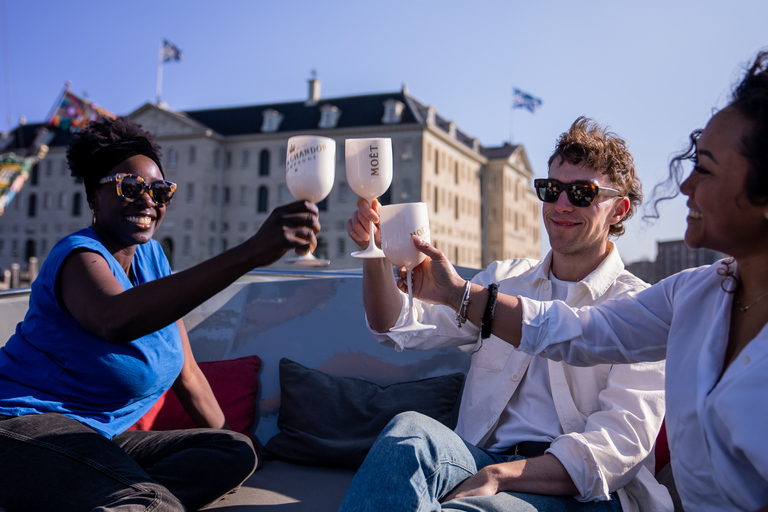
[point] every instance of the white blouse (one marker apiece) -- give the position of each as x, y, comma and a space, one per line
717, 430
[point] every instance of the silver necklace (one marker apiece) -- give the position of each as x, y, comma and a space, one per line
744, 309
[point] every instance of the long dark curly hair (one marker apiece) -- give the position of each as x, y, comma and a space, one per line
750, 99
99, 134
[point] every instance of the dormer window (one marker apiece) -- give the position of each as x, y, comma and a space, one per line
393, 111
272, 120
329, 116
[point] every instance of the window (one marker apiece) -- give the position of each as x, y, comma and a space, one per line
62, 200
173, 158
323, 205
393, 110
243, 195
192, 155
63, 170
33, 175
343, 192
271, 120
246, 158
186, 247
190, 192
226, 195
456, 207
228, 160
188, 224
436, 198
76, 204
329, 116
49, 168
437, 162
264, 163
341, 247
214, 194
47, 201
262, 205
32, 206
282, 194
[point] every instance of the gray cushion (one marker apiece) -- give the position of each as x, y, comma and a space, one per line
333, 421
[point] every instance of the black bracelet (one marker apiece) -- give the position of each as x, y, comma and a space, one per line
490, 307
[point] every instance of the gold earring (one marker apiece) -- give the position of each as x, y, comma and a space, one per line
93, 214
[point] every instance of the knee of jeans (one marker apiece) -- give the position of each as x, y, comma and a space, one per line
243, 454
411, 423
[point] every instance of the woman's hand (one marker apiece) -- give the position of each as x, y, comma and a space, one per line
293, 226
358, 226
434, 280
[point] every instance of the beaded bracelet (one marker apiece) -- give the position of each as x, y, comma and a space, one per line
490, 308
461, 314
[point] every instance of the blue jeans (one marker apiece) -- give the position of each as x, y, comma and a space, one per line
416, 461
50, 462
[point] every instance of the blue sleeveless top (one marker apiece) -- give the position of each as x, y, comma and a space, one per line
52, 364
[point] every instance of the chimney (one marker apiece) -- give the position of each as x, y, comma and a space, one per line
314, 91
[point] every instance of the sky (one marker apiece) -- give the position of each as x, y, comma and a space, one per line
651, 71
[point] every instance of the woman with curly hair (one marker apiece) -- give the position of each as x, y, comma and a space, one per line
710, 323
103, 339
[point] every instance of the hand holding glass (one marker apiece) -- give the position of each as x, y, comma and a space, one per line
397, 223
309, 173
369, 174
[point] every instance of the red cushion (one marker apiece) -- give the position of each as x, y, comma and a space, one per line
662, 448
234, 383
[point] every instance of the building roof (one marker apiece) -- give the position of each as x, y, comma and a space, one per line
355, 111
22, 137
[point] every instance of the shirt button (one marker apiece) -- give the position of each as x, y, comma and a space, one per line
746, 359
515, 377
490, 424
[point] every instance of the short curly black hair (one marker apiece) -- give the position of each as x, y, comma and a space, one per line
99, 134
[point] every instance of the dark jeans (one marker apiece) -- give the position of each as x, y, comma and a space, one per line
49, 462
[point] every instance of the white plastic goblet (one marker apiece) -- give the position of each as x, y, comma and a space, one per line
369, 174
398, 222
310, 168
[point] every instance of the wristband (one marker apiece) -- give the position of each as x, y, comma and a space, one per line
461, 314
490, 308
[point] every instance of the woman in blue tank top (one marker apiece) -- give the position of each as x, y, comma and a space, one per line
103, 339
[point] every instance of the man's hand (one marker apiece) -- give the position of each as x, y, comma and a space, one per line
483, 483
434, 280
359, 225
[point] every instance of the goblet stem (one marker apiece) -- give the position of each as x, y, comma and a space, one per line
411, 324
371, 251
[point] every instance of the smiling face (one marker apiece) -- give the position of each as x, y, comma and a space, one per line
720, 216
121, 224
579, 235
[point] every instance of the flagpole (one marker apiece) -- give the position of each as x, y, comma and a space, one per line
160, 73
512, 120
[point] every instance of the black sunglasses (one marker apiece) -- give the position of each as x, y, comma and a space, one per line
579, 194
130, 187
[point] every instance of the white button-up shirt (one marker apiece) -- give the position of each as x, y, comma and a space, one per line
716, 426
610, 414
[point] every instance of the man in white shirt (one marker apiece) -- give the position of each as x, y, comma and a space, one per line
532, 434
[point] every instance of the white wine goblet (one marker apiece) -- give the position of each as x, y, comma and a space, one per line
369, 174
309, 173
398, 223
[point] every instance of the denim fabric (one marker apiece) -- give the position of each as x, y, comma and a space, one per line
52, 462
416, 461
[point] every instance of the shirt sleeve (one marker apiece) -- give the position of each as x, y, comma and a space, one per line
610, 451
625, 330
446, 333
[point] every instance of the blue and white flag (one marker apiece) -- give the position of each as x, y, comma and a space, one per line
522, 99
169, 52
